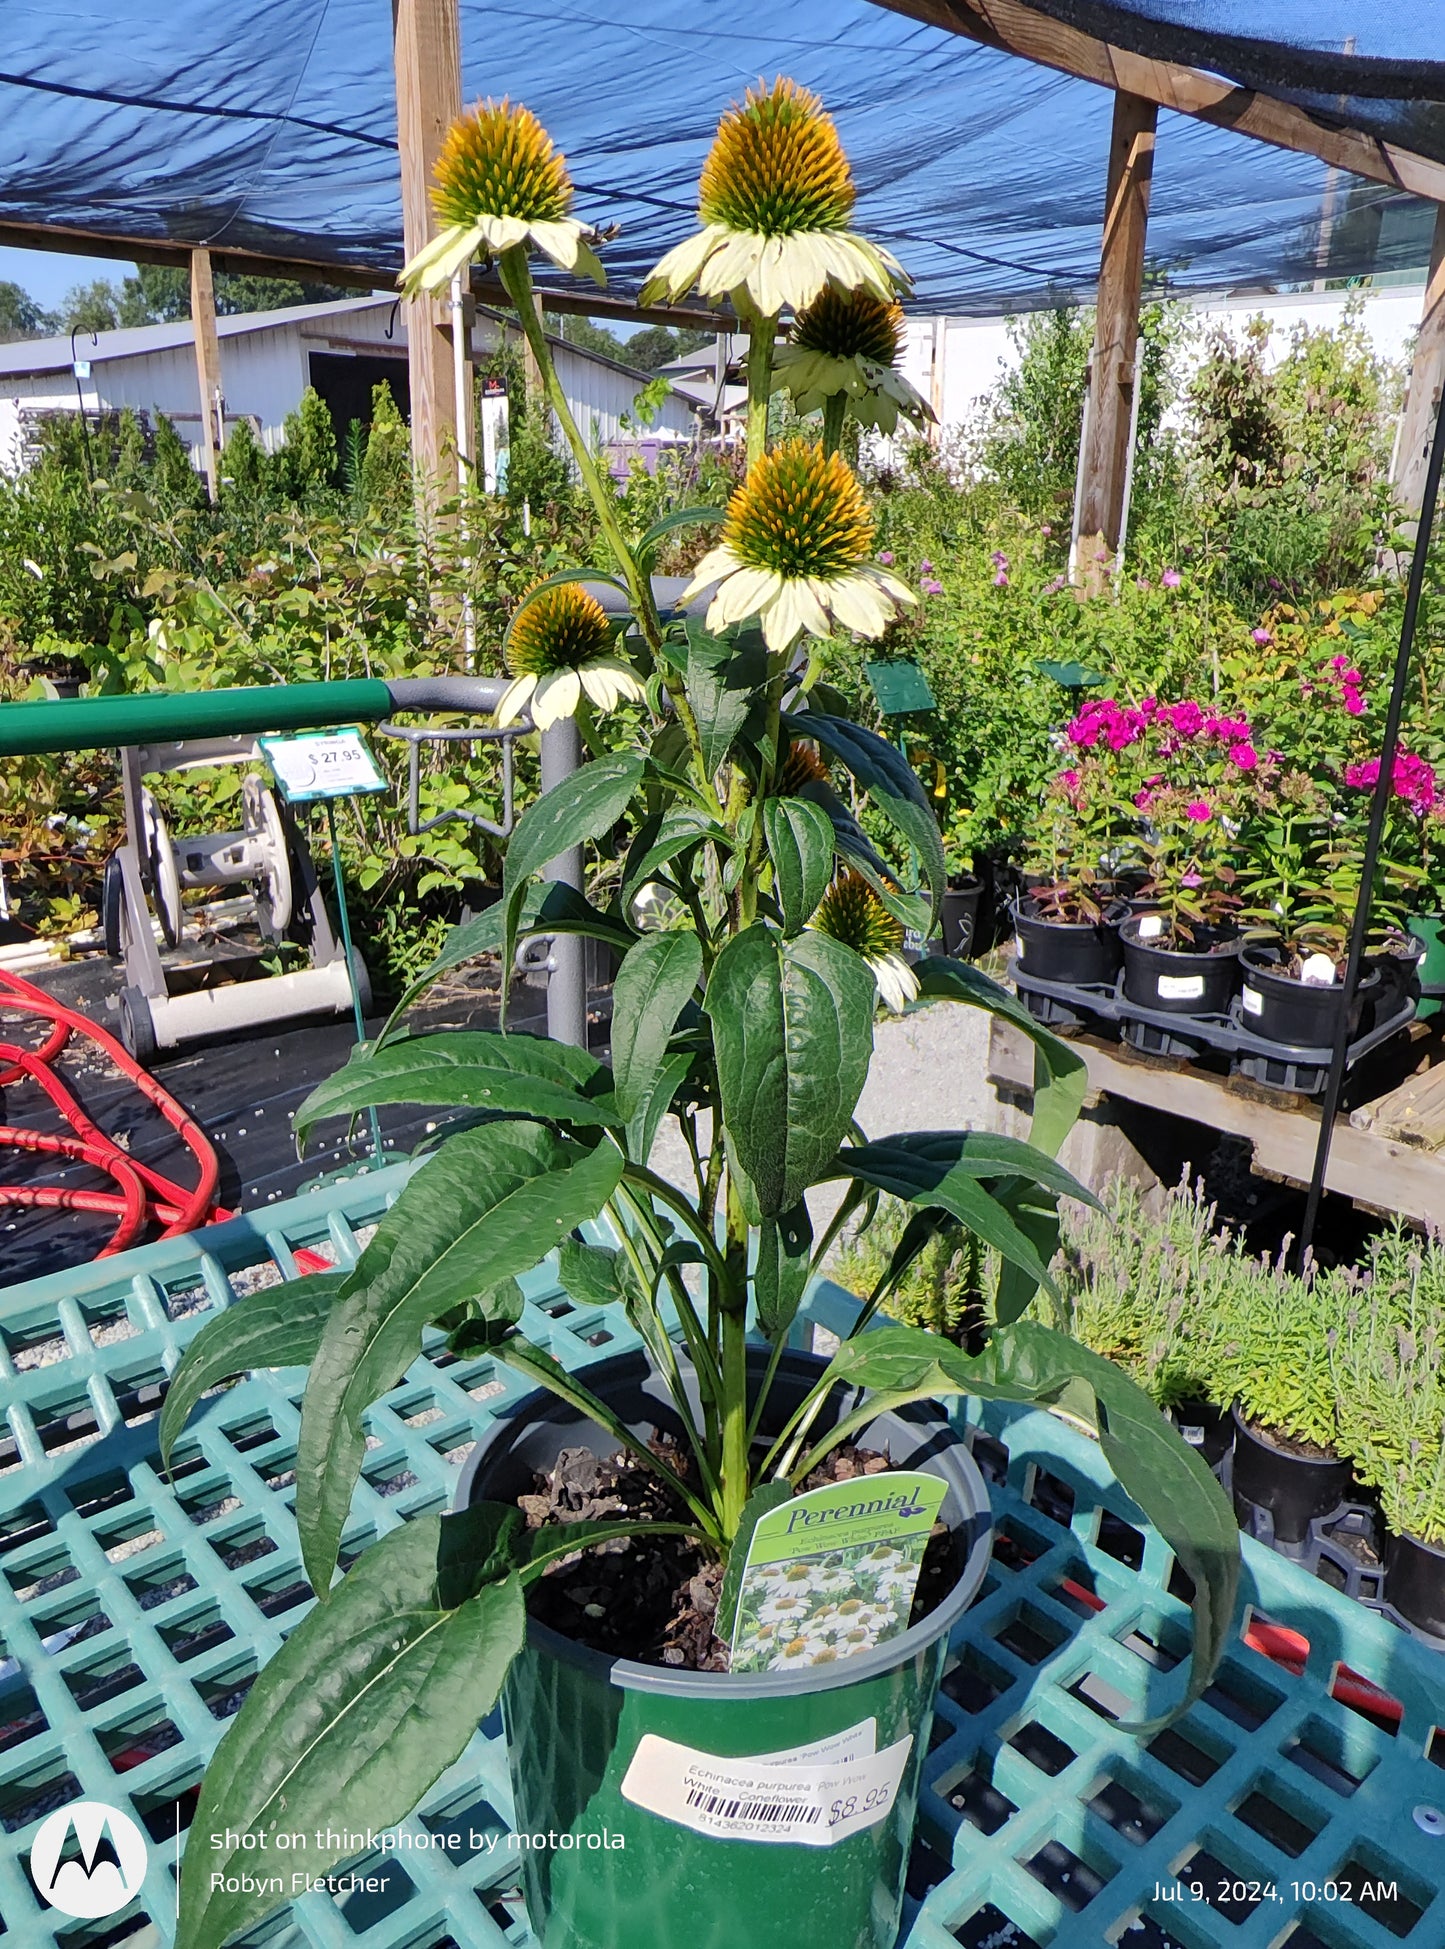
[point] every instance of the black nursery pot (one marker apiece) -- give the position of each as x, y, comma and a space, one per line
1302, 1013
1415, 1582
1199, 980
1293, 1488
1086, 952
962, 902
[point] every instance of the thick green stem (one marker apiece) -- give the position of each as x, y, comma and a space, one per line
761, 333
835, 412
734, 1421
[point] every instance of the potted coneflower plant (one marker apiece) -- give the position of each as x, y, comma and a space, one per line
746, 1722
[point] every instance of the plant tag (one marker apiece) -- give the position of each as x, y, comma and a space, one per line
799, 1796
322, 765
1319, 971
1180, 988
1151, 926
1253, 1001
833, 1572
1019, 946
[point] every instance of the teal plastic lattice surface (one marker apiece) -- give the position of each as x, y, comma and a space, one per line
134, 1611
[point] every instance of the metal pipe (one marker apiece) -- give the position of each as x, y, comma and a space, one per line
567, 980
94, 723
1379, 806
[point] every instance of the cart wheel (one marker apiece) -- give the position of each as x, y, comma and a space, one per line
137, 1030
165, 879
274, 885
361, 981
112, 908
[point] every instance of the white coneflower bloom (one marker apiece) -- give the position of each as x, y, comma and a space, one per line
795, 553
500, 183
849, 342
851, 912
558, 652
775, 197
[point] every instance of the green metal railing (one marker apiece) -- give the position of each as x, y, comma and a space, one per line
137, 1608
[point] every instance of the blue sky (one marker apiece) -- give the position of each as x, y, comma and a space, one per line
48, 274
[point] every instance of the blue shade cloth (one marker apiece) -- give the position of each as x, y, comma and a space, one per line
270, 126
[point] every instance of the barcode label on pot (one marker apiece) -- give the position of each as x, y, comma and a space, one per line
807, 1796
1180, 988
1253, 1002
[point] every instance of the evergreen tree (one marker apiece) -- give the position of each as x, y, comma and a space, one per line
307, 459
386, 468
245, 464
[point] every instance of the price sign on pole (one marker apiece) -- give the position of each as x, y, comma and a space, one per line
330, 765
322, 765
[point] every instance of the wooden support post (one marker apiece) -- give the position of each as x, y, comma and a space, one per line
1427, 376
208, 368
1105, 458
426, 40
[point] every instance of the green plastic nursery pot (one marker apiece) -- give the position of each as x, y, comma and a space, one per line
602, 1872
1430, 930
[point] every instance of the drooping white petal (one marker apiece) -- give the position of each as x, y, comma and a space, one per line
897, 983
750, 588
860, 606
811, 610
433, 266
502, 232
676, 273
782, 624
588, 264
557, 240
715, 564
890, 585
732, 264
606, 680
514, 699
557, 696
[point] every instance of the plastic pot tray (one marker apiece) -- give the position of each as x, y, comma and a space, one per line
135, 1610
1301, 1069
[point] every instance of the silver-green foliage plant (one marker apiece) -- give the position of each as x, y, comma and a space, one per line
751, 1022
1389, 1369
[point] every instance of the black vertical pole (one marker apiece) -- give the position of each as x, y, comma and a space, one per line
1379, 806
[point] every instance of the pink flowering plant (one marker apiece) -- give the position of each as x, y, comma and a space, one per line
1082, 835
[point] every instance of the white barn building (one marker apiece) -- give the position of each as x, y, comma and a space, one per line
268, 358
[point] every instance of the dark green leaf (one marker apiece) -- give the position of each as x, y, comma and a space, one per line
669, 524
890, 782
1167, 1479
801, 845
477, 1068
643, 1125
767, 1495
581, 808
552, 908
915, 1163
793, 1034
723, 672
1036, 1213
1073, 676
479, 1545
374, 1694
658, 976
489, 1205
1061, 1076
591, 1274
661, 840
780, 1272
279, 1326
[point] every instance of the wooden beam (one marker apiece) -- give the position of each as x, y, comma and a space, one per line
377, 278
1110, 419
1017, 29
208, 368
426, 38
1427, 377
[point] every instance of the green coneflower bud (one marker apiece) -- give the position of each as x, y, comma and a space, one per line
850, 325
557, 649
498, 161
851, 912
560, 629
794, 552
802, 767
800, 512
777, 167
